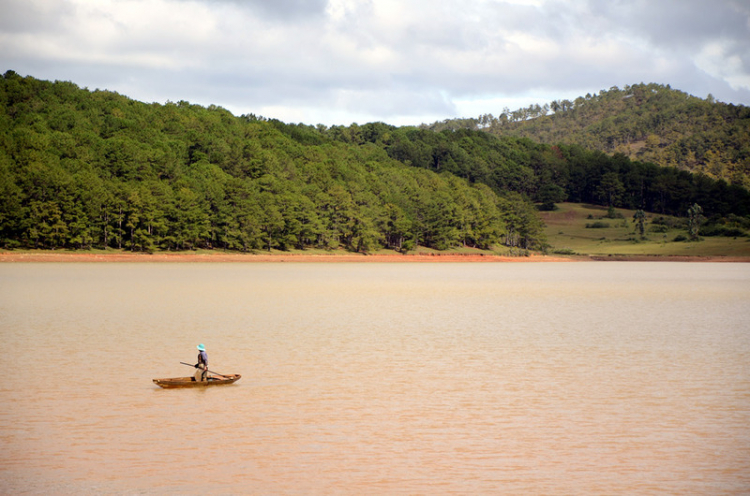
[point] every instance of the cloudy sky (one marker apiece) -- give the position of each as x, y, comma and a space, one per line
396, 61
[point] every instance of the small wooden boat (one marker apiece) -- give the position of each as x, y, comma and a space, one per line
185, 382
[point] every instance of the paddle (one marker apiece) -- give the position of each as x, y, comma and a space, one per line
209, 371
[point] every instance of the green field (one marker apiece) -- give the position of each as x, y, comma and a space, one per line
567, 233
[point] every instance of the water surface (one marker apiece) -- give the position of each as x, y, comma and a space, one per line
571, 378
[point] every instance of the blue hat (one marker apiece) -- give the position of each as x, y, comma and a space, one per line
201, 347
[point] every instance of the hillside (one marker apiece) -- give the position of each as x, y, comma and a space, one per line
83, 169
549, 174
644, 122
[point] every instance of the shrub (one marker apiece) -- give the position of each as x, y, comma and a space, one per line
719, 230
613, 214
733, 232
597, 225
670, 223
564, 251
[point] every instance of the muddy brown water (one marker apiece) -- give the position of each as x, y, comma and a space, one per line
585, 378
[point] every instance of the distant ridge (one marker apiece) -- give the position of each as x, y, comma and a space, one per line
645, 122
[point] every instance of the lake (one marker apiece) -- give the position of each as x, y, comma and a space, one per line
446, 378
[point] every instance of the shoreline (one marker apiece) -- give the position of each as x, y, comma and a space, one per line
223, 257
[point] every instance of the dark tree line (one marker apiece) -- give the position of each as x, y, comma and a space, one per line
548, 174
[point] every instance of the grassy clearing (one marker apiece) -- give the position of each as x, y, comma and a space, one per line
567, 233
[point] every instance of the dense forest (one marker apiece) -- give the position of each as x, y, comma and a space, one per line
646, 122
93, 169
553, 173
84, 169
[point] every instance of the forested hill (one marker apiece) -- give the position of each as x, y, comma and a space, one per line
82, 169
87, 169
646, 122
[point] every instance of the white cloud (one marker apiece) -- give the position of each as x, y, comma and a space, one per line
342, 61
718, 61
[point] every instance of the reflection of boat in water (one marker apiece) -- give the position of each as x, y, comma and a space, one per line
183, 382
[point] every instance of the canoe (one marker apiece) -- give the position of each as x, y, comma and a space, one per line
183, 382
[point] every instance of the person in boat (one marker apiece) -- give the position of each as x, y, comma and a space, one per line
202, 373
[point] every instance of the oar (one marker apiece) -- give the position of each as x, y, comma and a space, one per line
209, 371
